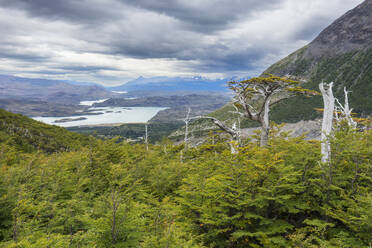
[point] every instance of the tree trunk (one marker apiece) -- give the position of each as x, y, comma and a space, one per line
346, 111
264, 136
146, 137
234, 131
187, 121
234, 145
265, 124
235, 138
329, 105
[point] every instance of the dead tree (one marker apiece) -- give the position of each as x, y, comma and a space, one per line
234, 131
146, 137
329, 106
187, 121
345, 110
255, 96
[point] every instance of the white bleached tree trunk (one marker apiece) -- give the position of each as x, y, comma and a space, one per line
346, 111
265, 124
329, 106
235, 139
146, 137
234, 131
187, 121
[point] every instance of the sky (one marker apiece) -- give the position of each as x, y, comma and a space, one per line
113, 41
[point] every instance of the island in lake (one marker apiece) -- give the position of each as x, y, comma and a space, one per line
70, 119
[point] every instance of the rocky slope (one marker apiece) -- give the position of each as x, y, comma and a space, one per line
311, 130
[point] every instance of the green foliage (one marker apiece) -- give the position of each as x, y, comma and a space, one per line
352, 70
113, 194
269, 85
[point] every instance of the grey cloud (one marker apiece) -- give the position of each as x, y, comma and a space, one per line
205, 16
47, 72
80, 11
190, 32
311, 29
86, 68
24, 57
201, 15
231, 63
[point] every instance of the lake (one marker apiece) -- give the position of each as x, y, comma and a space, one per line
109, 115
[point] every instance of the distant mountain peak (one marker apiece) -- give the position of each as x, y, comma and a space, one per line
173, 84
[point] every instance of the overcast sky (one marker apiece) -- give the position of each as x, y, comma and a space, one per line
113, 41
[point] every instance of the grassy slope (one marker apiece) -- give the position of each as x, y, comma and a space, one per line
29, 135
352, 70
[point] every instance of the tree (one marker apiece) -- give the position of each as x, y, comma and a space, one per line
255, 96
329, 106
345, 111
146, 137
234, 131
187, 121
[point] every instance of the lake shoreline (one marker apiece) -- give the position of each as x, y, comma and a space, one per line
104, 116
109, 124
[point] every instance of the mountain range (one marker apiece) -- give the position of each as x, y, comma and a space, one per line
55, 91
172, 85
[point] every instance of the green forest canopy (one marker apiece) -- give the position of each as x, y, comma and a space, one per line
98, 193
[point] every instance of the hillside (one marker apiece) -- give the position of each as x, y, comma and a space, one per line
40, 108
341, 53
25, 134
